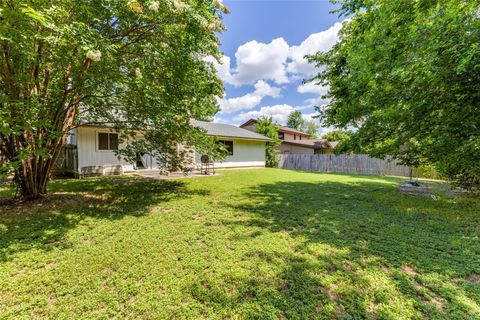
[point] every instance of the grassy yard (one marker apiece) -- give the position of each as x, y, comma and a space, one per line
251, 244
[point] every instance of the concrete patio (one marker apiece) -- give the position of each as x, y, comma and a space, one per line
155, 174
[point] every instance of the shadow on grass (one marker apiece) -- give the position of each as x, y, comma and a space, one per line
372, 218
42, 224
365, 251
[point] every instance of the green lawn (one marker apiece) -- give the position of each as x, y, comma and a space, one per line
251, 244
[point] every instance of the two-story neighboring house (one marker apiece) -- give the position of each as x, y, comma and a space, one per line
294, 141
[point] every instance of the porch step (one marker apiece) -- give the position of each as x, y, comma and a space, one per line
105, 170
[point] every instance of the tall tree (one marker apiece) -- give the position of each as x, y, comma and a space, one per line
137, 64
295, 120
406, 74
311, 127
268, 128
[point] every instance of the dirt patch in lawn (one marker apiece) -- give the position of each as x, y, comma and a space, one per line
416, 189
474, 278
409, 270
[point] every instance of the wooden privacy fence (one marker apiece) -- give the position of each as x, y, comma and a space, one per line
357, 163
67, 162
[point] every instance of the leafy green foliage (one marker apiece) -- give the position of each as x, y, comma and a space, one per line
406, 74
338, 135
135, 64
249, 244
295, 120
346, 144
265, 126
311, 127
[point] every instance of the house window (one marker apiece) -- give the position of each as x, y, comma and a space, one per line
281, 136
107, 141
300, 137
228, 145
294, 137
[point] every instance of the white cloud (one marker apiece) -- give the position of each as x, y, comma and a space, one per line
311, 87
310, 116
217, 119
321, 41
319, 90
250, 100
256, 60
222, 120
318, 101
324, 130
276, 61
279, 113
222, 67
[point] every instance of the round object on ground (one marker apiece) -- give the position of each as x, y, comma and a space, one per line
205, 159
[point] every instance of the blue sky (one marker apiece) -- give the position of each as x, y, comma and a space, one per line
263, 65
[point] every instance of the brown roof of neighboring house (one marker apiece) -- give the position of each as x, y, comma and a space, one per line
334, 144
280, 128
314, 144
308, 143
290, 130
248, 122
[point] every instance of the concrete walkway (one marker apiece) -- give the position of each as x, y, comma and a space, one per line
155, 174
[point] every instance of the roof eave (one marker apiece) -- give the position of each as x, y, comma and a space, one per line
246, 123
304, 145
240, 138
293, 131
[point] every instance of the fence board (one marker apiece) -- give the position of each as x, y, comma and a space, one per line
67, 160
358, 163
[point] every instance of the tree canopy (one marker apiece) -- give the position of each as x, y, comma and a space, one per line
137, 65
267, 127
311, 128
338, 135
406, 74
295, 120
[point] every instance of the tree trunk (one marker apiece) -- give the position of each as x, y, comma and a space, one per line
33, 174
31, 179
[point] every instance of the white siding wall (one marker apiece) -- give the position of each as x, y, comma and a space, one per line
294, 137
287, 136
89, 155
246, 153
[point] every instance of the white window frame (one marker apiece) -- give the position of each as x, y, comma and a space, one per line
233, 146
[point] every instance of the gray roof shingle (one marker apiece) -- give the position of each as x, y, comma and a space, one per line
229, 131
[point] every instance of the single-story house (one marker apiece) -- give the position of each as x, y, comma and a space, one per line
295, 141
247, 148
96, 146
